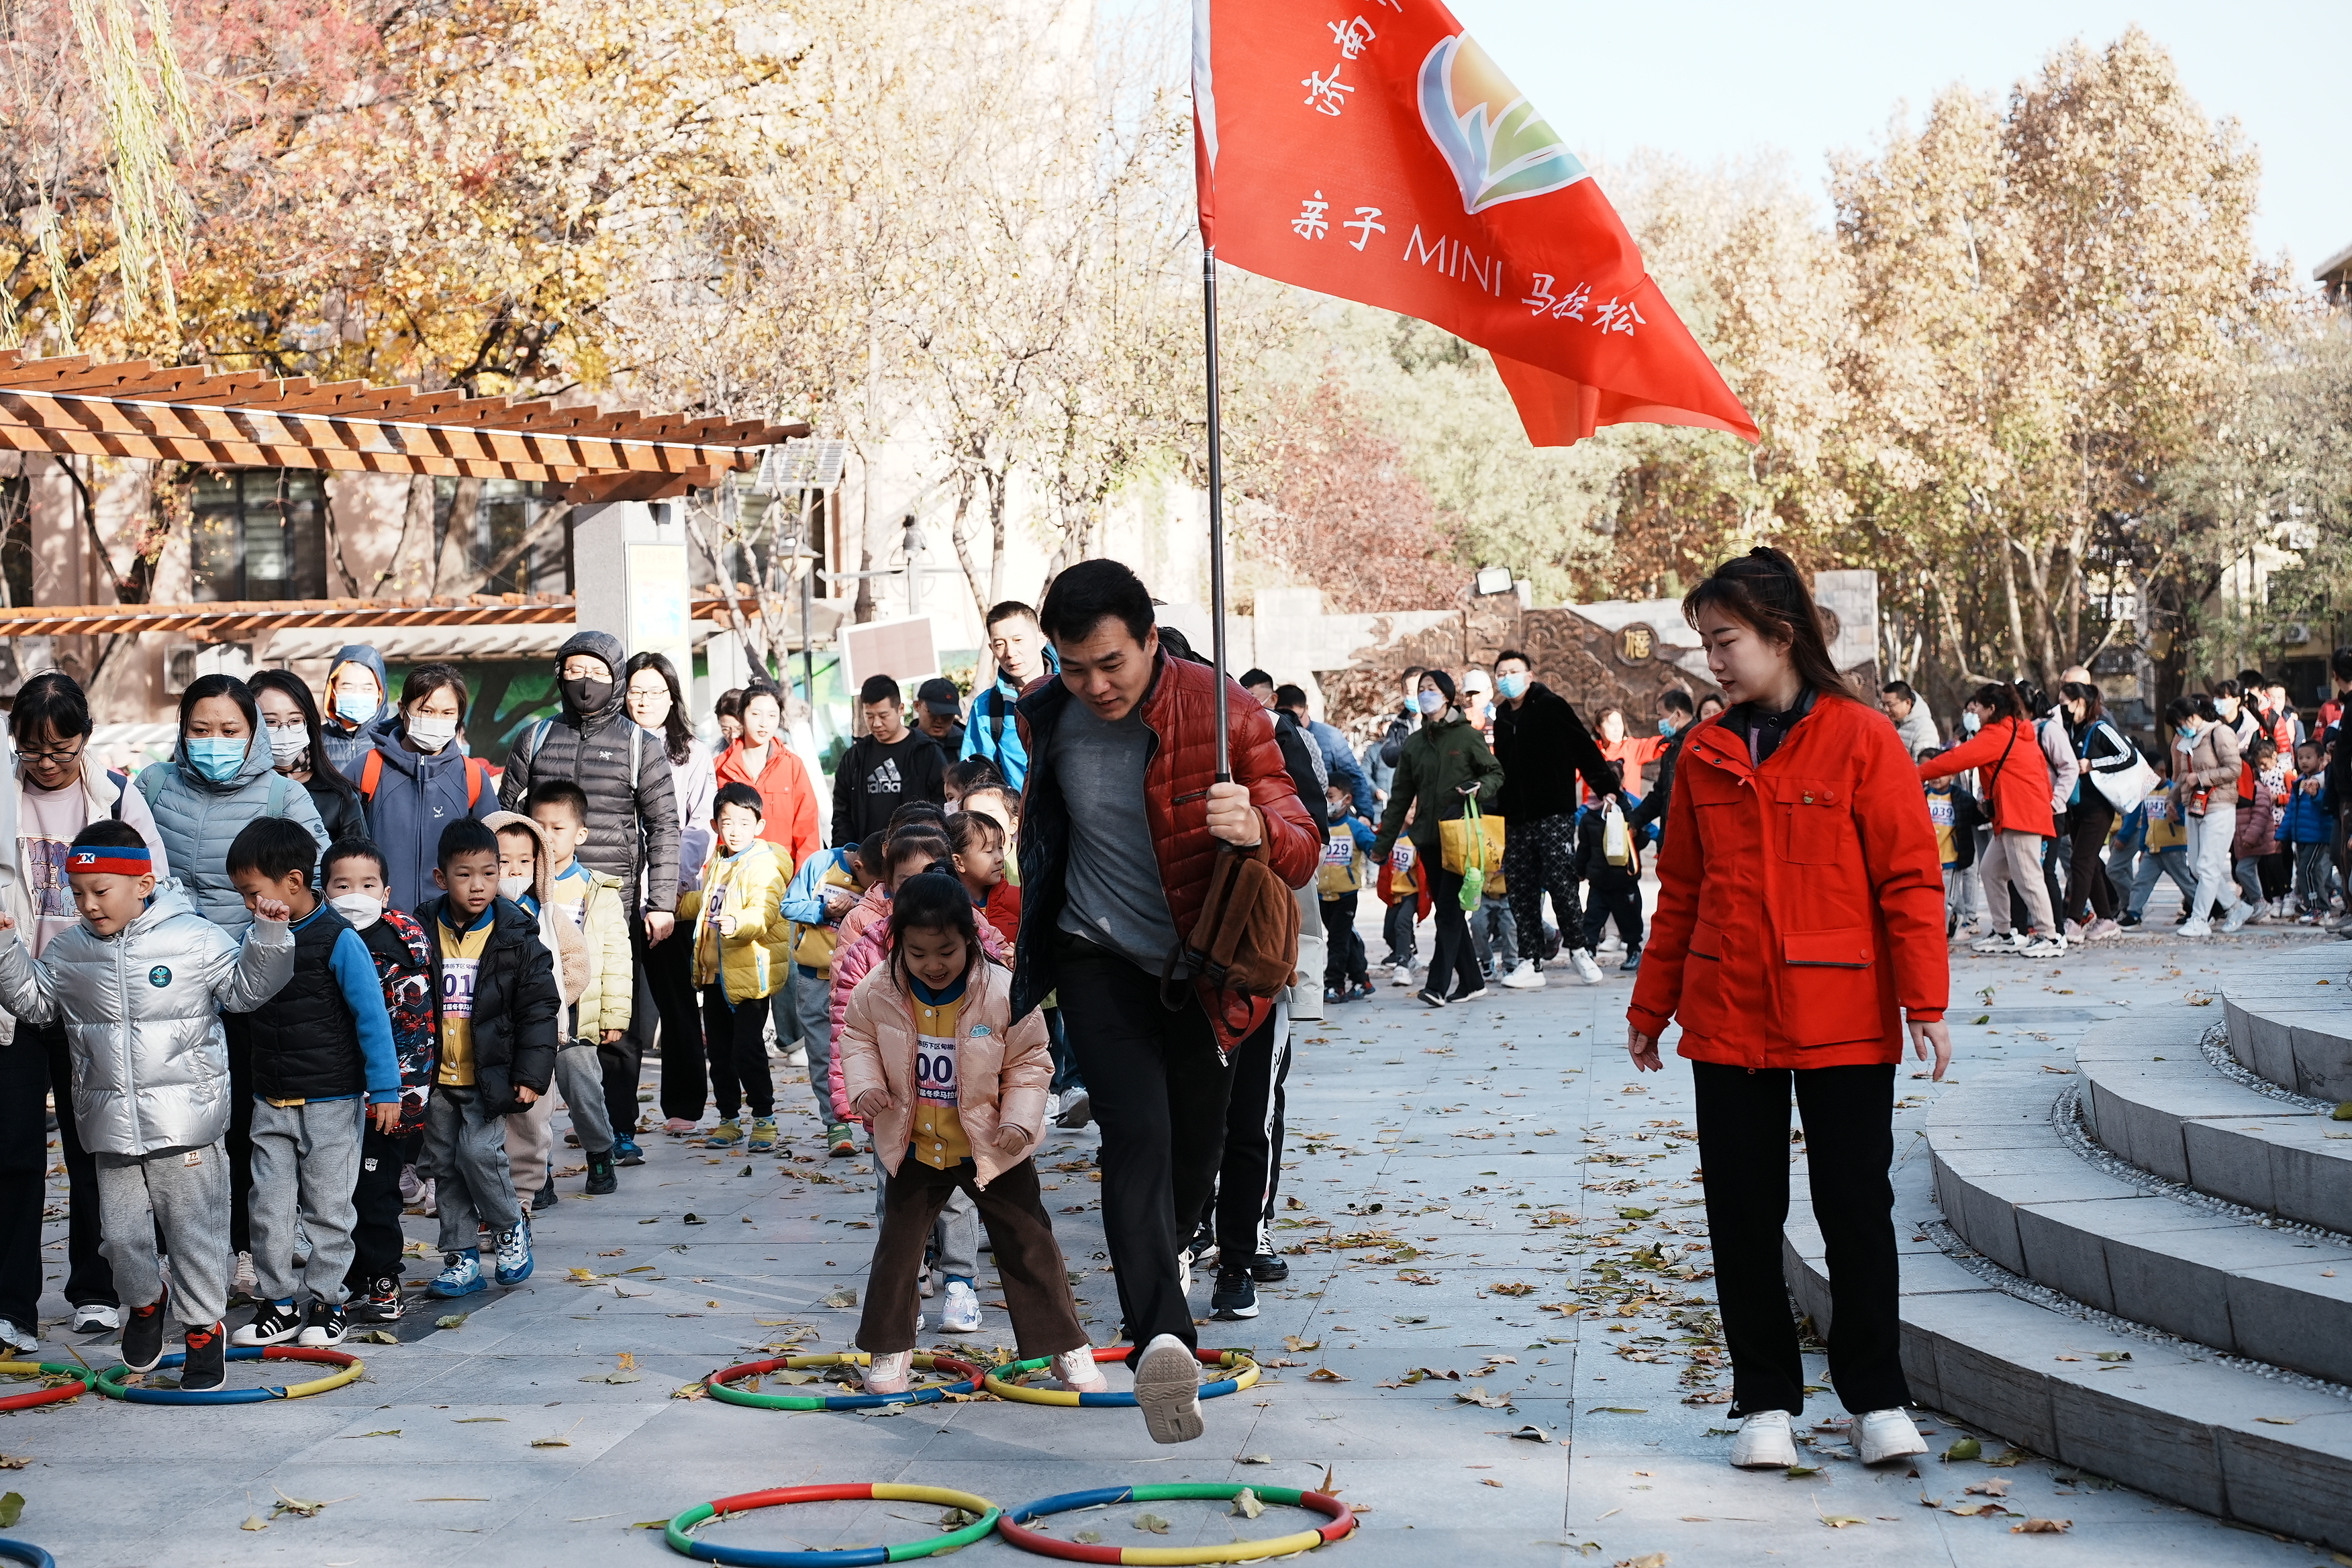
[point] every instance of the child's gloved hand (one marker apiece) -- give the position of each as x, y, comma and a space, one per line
872, 1103
1012, 1139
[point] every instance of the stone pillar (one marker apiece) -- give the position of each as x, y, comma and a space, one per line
629, 577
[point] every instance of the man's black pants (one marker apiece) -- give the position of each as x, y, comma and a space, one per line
667, 976
1743, 1142
1160, 1087
30, 1069
1251, 1171
1540, 858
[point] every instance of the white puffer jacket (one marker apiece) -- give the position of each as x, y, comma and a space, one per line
142, 1017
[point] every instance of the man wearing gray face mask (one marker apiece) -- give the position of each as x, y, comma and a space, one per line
632, 829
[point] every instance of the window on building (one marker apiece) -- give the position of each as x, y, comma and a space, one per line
16, 540
753, 535
258, 534
504, 530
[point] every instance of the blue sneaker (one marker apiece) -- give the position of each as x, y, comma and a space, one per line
627, 1153
461, 1274
514, 1254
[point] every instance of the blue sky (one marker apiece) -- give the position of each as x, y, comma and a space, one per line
1707, 80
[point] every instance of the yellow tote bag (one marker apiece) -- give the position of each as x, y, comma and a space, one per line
1472, 841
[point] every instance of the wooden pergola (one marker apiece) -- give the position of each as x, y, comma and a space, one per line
246, 419
135, 409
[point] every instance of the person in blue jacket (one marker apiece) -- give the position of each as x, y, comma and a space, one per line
414, 781
1339, 761
1022, 656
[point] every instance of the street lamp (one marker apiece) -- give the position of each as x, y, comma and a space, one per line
811, 467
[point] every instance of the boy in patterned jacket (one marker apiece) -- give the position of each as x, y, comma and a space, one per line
352, 878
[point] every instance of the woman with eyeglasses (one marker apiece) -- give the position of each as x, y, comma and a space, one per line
53, 790
298, 750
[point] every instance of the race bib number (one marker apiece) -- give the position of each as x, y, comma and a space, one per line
1338, 849
934, 1068
457, 977
2160, 809
1939, 810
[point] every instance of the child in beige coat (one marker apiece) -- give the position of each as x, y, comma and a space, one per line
955, 1092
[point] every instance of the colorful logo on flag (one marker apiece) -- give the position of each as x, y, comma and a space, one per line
1499, 148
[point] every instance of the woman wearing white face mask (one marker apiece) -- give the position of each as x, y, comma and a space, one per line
297, 749
414, 781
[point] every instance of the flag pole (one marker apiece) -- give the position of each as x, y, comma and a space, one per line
1217, 510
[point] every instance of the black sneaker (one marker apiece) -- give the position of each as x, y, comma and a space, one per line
546, 1198
380, 1302
323, 1330
277, 1322
143, 1335
601, 1179
207, 1362
1633, 962
1236, 1297
1268, 1269
627, 1153
1203, 1245
2127, 920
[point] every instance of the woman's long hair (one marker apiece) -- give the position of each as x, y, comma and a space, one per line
677, 735
935, 899
316, 755
2002, 699
2083, 693
1764, 589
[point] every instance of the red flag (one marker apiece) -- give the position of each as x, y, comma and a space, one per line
1372, 151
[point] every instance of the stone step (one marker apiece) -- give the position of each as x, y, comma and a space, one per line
2171, 1421
2151, 1096
2290, 1019
2012, 1188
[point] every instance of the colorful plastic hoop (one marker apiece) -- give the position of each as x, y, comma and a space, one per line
995, 1382
840, 1557
1343, 1519
62, 1392
110, 1381
720, 1382
27, 1553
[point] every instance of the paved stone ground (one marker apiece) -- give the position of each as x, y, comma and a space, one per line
1441, 1162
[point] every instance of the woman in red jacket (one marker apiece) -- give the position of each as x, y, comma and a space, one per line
2017, 785
1800, 919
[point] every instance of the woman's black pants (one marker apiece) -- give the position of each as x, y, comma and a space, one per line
1743, 1140
1452, 960
2089, 895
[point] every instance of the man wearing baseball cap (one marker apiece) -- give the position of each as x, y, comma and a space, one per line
939, 713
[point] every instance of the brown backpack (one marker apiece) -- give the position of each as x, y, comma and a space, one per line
1247, 938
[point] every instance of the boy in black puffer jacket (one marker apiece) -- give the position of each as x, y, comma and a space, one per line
496, 1011
323, 1065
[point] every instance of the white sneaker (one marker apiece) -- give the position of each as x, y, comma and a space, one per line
247, 1283
1610, 943
1525, 977
1883, 1434
1076, 1369
2101, 929
891, 1374
961, 1313
2194, 928
1053, 1105
2239, 916
1586, 970
95, 1317
2262, 911
1168, 1387
17, 1340
2043, 947
1764, 1442
1184, 1267
1999, 942
1400, 975
797, 1057
2074, 930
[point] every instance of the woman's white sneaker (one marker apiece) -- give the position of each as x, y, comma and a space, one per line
890, 1372
1168, 1387
1525, 977
1883, 1434
1764, 1442
1586, 970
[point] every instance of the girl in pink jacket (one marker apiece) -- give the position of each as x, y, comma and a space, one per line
955, 1092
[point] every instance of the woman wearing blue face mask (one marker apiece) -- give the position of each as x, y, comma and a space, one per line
1442, 765
413, 780
221, 776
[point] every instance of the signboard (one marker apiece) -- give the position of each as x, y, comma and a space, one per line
1636, 642
904, 649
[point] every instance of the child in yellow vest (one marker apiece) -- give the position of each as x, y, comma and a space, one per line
1343, 875
741, 959
590, 904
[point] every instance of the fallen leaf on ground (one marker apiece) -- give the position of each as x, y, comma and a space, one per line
1245, 1504
1476, 1394
1800, 1472
845, 1297
1152, 1522
1530, 1433
378, 1336
454, 1321
1324, 1374
1991, 1489
254, 1522
551, 1442
475, 1420
354, 1436
1083, 1537
1965, 1448
2042, 1527
2273, 1420
1647, 1559
1490, 1481
624, 1375
1840, 1521
1255, 1459
1514, 1289
1971, 1510
14, 1461
1293, 1342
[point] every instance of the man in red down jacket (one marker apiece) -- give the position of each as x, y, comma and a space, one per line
1121, 821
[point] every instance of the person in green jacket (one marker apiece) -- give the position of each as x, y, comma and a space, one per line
1443, 765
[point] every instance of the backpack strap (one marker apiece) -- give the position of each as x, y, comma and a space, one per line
276, 807
150, 779
122, 783
371, 774
478, 776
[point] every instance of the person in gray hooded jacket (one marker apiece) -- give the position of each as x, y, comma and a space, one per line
358, 696
141, 984
633, 829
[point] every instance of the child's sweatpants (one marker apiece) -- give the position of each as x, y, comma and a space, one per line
376, 1239
184, 1193
955, 1235
530, 1136
2311, 876
466, 1157
737, 1036
1619, 895
1345, 963
1036, 1287
811, 999
306, 1162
